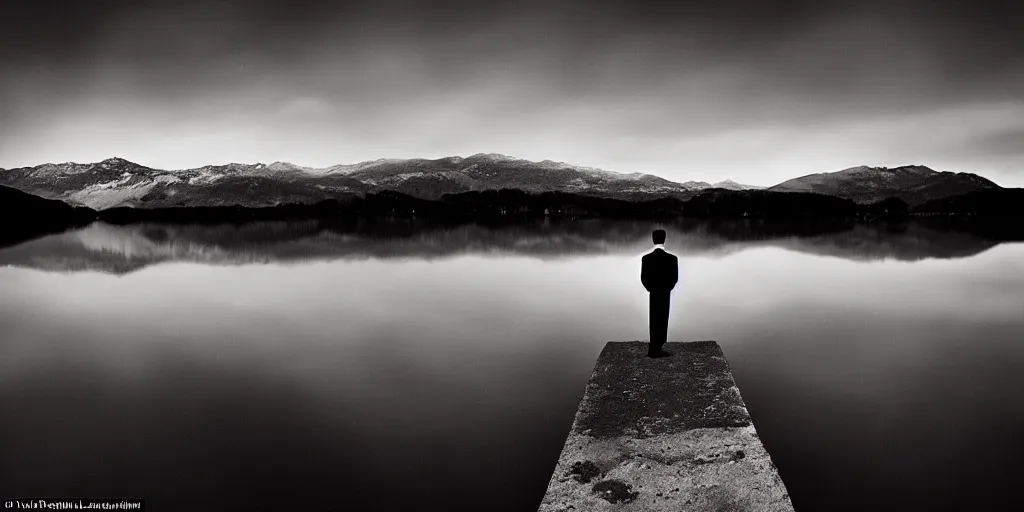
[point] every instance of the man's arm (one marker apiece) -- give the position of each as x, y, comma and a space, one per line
673, 274
645, 274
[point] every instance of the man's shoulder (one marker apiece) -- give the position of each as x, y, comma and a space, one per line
666, 257
660, 253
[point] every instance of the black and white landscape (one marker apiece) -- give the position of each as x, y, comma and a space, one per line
116, 182
363, 254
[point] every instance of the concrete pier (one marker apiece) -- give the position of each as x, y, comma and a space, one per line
664, 434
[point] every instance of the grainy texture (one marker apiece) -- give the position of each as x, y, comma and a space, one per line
664, 434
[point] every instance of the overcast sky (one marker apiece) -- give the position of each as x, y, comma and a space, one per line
752, 90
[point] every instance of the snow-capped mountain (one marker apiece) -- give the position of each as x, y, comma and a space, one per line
732, 185
914, 184
117, 182
431, 178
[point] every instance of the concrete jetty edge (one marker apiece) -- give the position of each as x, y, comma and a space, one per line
663, 434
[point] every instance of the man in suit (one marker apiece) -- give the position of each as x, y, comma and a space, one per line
659, 274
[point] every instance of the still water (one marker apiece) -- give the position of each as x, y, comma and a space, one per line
407, 367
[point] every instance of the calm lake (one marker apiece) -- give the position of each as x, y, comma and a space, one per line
407, 367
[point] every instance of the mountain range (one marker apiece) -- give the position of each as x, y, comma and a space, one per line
477, 187
117, 182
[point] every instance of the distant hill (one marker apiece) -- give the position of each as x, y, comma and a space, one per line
732, 185
914, 184
24, 216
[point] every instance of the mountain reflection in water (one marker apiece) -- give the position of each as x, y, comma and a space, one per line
406, 366
121, 249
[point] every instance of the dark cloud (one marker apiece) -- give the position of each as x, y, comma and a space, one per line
598, 80
189, 40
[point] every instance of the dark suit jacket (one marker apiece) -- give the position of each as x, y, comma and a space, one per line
660, 271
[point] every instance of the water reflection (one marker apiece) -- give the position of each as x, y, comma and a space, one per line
404, 368
121, 249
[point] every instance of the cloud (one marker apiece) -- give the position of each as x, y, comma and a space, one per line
1007, 141
688, 90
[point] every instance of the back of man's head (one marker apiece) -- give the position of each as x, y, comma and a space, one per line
658, 236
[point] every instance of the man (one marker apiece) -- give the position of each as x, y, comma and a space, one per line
659, 274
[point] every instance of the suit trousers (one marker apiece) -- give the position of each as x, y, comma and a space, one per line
659, 319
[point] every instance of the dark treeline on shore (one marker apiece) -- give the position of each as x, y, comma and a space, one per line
511, 204
467, 206
1000, 201
27, 215
515, 204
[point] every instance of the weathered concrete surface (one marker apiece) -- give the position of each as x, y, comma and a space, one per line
664, 434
